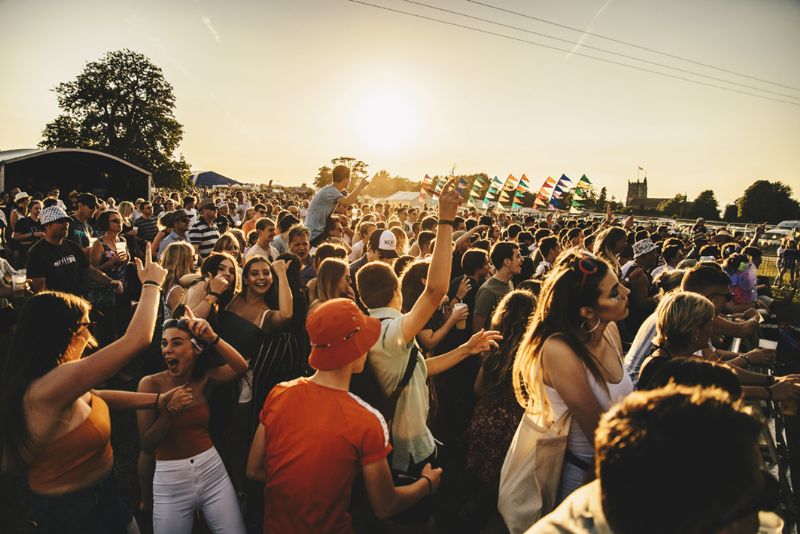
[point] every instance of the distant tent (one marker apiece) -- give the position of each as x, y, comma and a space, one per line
211, 178
91, 171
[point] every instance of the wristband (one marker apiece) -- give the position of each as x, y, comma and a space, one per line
214, 294
430, 483
155, 404
214, 342
150, 283
446, 222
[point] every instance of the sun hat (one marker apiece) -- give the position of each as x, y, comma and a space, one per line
208, 204
384, 242
22, 195
52, 214
643, 246
339, 333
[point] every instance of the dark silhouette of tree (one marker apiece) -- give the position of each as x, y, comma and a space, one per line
731, 213
323, 177
122, 105
705, 206
675, 206
766, 201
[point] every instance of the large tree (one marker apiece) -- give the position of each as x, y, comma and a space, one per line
705, 206
121, 105
675, 206
769, 202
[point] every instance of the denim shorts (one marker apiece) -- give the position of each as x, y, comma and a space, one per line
98, 509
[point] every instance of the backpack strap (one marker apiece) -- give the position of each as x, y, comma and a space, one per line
404, 381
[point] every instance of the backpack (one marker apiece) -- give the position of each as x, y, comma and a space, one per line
367, 387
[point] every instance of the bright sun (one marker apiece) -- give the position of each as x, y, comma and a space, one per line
386, 120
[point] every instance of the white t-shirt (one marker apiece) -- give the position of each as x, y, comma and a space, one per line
357, 251
256, 250
389, 357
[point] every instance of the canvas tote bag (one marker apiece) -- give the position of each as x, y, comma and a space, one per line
531, 472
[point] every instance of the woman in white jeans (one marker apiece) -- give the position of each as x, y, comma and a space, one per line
189, 473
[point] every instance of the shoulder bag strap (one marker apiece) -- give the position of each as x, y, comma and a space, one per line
404, 381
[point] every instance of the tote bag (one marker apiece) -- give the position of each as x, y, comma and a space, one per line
531, 472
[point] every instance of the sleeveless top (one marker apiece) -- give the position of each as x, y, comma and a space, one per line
577, 442
68, 458
121, 272
165, 299
187, 436
240, 333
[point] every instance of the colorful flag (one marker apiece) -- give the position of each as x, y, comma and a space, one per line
509, 187
493, 192
477, 186
543, 196
523, 188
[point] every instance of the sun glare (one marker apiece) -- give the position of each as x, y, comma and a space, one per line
386, 120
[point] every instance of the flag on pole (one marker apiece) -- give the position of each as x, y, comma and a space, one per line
580, 194
477, 186
493, 192
543, 196
426, 189
560, 188
506, 196
523, 188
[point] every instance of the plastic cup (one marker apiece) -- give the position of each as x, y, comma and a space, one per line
769, 523
18, 282
120, 247
462, 324
92, 240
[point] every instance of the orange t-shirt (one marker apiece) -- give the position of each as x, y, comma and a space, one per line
317, 438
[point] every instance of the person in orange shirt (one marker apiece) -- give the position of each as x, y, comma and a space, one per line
249, 225
315, 435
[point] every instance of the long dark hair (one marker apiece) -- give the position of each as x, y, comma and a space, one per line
211, 266
32, 354
511, 319
566, 289
411, 285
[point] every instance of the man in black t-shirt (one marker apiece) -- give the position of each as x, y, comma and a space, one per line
79, 229
58, 264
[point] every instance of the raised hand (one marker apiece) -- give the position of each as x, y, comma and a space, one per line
463, 288
218, 284
279, 266
483, 340
449, 201
199, 328
150, 271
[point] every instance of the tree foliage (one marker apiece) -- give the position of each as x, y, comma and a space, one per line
121, 105
731, 213
766, 201
675, 206
705, 206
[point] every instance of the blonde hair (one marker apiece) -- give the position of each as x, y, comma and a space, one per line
125, 209
680, 314
178, 260
402, 240
330, 272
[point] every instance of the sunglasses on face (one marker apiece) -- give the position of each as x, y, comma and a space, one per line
117, 221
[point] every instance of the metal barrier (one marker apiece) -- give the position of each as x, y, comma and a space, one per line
774, 449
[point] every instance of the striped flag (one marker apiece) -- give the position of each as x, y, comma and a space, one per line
477, 186
493, 192
509, 187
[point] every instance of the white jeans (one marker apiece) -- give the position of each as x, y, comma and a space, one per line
181, 487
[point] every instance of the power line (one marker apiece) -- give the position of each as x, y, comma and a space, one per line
640, 47
605, 50
542, 45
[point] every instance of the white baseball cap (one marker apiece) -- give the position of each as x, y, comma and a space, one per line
385, 242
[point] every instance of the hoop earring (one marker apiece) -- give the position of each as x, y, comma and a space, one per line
585, 330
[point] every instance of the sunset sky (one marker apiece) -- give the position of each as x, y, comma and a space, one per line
273, 89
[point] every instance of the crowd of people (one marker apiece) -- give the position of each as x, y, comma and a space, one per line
326, 364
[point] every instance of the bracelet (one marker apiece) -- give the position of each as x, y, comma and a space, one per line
214, 342
430, 483
155, 404
214, 294
746, 359
150, 283
446, 222
769, 394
